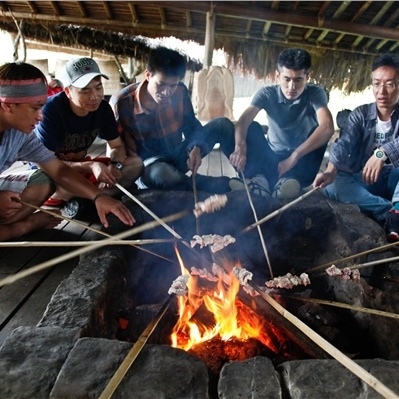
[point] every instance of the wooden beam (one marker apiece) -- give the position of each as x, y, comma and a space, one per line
163, 17
107, 9
55, 8
82, 9
232, 10
209, 39
133, 11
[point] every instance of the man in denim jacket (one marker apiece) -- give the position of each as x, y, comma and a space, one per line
363, 165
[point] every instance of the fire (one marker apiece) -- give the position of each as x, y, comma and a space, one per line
226, 317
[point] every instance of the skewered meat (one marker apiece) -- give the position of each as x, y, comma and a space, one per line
210, 205
219, 271
179, 286
242, 274
346, 273
288, 281
203, 273
215, 241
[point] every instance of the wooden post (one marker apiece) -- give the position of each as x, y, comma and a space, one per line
209, 38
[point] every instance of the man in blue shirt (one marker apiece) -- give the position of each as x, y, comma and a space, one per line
299, 128
74, 118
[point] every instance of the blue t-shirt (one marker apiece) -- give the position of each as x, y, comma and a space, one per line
289, 122
64, 132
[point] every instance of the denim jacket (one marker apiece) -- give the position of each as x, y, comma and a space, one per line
356, 143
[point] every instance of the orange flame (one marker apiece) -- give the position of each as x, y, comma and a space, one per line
228, 318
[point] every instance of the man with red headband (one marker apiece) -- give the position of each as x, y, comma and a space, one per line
23, 92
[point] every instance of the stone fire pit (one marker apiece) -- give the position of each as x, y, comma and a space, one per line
76, 348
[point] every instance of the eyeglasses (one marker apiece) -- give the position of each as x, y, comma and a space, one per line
390, 86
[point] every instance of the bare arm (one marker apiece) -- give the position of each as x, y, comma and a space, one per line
317, 139
239, 157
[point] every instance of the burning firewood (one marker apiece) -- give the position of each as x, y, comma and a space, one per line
179, 286
215, 241
346, 273
210, 205
288, 281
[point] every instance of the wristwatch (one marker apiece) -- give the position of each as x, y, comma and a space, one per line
118, 165
380, 154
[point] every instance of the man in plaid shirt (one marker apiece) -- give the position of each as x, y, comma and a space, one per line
157, 123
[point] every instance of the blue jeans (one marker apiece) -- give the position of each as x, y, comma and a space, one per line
169, 171
373, 200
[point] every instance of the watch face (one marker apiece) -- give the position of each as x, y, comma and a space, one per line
379, 154
119, 166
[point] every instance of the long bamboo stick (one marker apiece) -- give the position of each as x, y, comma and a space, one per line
368, 264
24, 244
280, 210
157, 218
330, 349
258, 227
197, 226
44, 265
135, 351
100, 232
369, 251
344, 306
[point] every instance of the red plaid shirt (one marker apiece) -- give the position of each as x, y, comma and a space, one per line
156, 133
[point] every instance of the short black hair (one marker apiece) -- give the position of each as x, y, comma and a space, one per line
387, 60
295, 59
21, 71
166, 61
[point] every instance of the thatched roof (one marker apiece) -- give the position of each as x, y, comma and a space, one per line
343, 36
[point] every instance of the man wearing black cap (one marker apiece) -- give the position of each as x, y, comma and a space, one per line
73, 119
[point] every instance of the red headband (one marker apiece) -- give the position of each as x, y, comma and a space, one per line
23, 91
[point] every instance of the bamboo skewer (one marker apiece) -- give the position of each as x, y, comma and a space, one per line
197, 227
62, 258
353, 256
82, 243
258, 227
103, 233
151, 213
330, 349
278, 211
368, 264
345, 306
134, 351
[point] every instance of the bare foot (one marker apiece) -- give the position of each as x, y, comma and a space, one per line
41, 220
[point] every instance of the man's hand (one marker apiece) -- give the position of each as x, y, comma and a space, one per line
239, 157
323, 179
372, 170
103, 174
194, 159
106, 205
9, 204
287, 164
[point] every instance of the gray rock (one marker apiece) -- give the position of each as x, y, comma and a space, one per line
253, 378
159, 372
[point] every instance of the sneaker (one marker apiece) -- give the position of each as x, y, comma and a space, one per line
286, 188
257, 185
80, 208
392, 225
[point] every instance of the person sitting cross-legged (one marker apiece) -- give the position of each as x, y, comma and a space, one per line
23, 92
73, 119
363, 166
157, 123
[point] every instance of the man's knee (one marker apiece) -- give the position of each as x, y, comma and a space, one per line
161, 175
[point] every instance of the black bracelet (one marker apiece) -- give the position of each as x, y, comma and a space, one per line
96, 197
